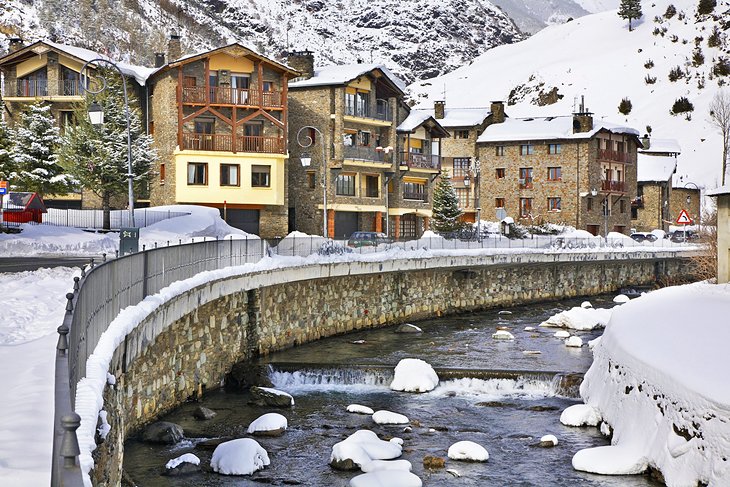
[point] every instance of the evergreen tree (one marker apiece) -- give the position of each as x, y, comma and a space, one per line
7, 164
97, 156
35, 153
630, 9
446, 211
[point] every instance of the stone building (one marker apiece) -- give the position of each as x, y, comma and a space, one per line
569, 169
355, 108
723, 232
656, 165
686, 195
219, 123
49, 72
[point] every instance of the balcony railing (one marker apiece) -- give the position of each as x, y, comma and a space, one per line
420, 161
41, 88
415, 195
613, 186
370, 154
221, 95
612, 155
229, 143
525, 183
382, 110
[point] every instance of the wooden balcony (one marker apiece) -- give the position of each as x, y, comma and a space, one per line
614, 156
221, 95
420, 161
230, 143
613, 186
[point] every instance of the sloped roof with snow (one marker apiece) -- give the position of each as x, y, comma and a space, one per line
464, 117
546, 128
654, 168
719, 191
670, 146
414, 120
341, 74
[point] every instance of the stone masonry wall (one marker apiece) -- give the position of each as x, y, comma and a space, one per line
189, 344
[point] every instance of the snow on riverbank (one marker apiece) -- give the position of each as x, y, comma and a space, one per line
659, 378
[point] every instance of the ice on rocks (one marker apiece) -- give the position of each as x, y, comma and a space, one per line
186, 458
386, 478
389, 417
468, 450
357, 408
574, 342
580, 415
503, 335
268, 422
242, 456
414, 375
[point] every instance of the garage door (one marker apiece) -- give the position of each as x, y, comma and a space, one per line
246, 220
346, 223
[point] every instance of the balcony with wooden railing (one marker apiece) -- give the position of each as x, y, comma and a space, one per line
222, 95
230, 143
420, 161
616, 156
25, 88
613, 186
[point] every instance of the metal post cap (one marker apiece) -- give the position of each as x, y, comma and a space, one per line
62, 344
76, 283
69, 304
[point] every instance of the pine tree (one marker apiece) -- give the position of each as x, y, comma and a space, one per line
97, 156
35, 153
7, 163
446, 211
630, 9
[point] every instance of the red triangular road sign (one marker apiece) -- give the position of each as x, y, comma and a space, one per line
683, 218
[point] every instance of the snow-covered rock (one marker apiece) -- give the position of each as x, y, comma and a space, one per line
269, 424
386, 478
529, 328
414, 375
408, 328
579, 318
469, 451
586, 305
242, 456
267, 396
377, 465
562, 334
361, 448
621, 299
580, 415
388, 417
357, 408
574, 342
548, 441
503, 335
185, 458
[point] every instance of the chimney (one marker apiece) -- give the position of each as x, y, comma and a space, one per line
497, 109
16, 43
302, 61
159, 59
439, 109
583, 119
174, 51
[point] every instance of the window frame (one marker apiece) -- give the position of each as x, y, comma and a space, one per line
238, 175
311, 180
497, 202
500, 173
499, 150
463, 168
556, 169
554, 204
351, 184
258, 184
555, 149
204, 165
462, 134
376, 185
527, 149
525, 207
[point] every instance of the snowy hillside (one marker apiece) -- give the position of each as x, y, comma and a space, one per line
597, 57
418, 39
533, 15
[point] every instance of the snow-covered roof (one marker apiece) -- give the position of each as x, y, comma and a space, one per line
340, 74
139, 73
719, 191
414, 120
663, 145
546, 128
464, 117
654, 168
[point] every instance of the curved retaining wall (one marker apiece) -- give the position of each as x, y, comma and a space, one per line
189, 344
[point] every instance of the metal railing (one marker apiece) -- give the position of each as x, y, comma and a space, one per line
362, 153
415, 195
361, 110
95, 218
420, 161
41, 88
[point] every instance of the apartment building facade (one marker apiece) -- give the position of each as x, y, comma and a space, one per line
566, 170
656, 166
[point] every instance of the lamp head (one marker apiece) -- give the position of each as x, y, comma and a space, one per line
96, 114
306, 159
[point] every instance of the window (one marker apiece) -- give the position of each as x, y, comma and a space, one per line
152, 127
554, 174
525, 207
622, 205
462, 194
461, 166
414, 191
162, 173
260, 176
66, 120
33, 84
189, 81
229, 175
311, 181
197, 173
499, 150
363, 138
345, 185
70, 82
620, 147
500, 172
554, 148
372, 186
525, 180
499, 202
589, 204
527, 149
203, 138
461, 134
553, 204
268, 86
608, 144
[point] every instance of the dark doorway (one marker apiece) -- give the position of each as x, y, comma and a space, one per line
346, 223
246, 220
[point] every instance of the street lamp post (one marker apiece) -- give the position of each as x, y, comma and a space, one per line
477, 170
96, 116
305, 141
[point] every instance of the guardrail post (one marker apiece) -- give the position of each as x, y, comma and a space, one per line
116, 254
70, 444
62, 345
92, 263
144, 273
76, 284
103, 257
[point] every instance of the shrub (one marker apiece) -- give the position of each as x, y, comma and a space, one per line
648, 129
682, 105
721, 67
649, 80
697, 57
698, 40
705, 7
671, 12
715, 39
674, 38
649, 64
675, 74
625, 106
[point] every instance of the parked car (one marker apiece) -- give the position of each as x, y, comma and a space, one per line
643, 236
367, 239
679, 236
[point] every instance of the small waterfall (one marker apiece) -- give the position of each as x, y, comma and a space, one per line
322, 377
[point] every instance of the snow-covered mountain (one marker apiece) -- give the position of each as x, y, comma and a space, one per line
597, 57
533, 15
418, 39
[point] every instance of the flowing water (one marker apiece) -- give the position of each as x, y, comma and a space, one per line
490, 392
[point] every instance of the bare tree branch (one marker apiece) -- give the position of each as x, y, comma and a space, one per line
720, 118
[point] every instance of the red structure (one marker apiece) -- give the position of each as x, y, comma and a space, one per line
23, 208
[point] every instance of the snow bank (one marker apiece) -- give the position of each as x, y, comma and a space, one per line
186, 458
50, 239
364, 446
659, 378
414, 375
389, 478
268, 422
298, 243
468, 450
579, 318
243, 456
388, 417
202, 221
